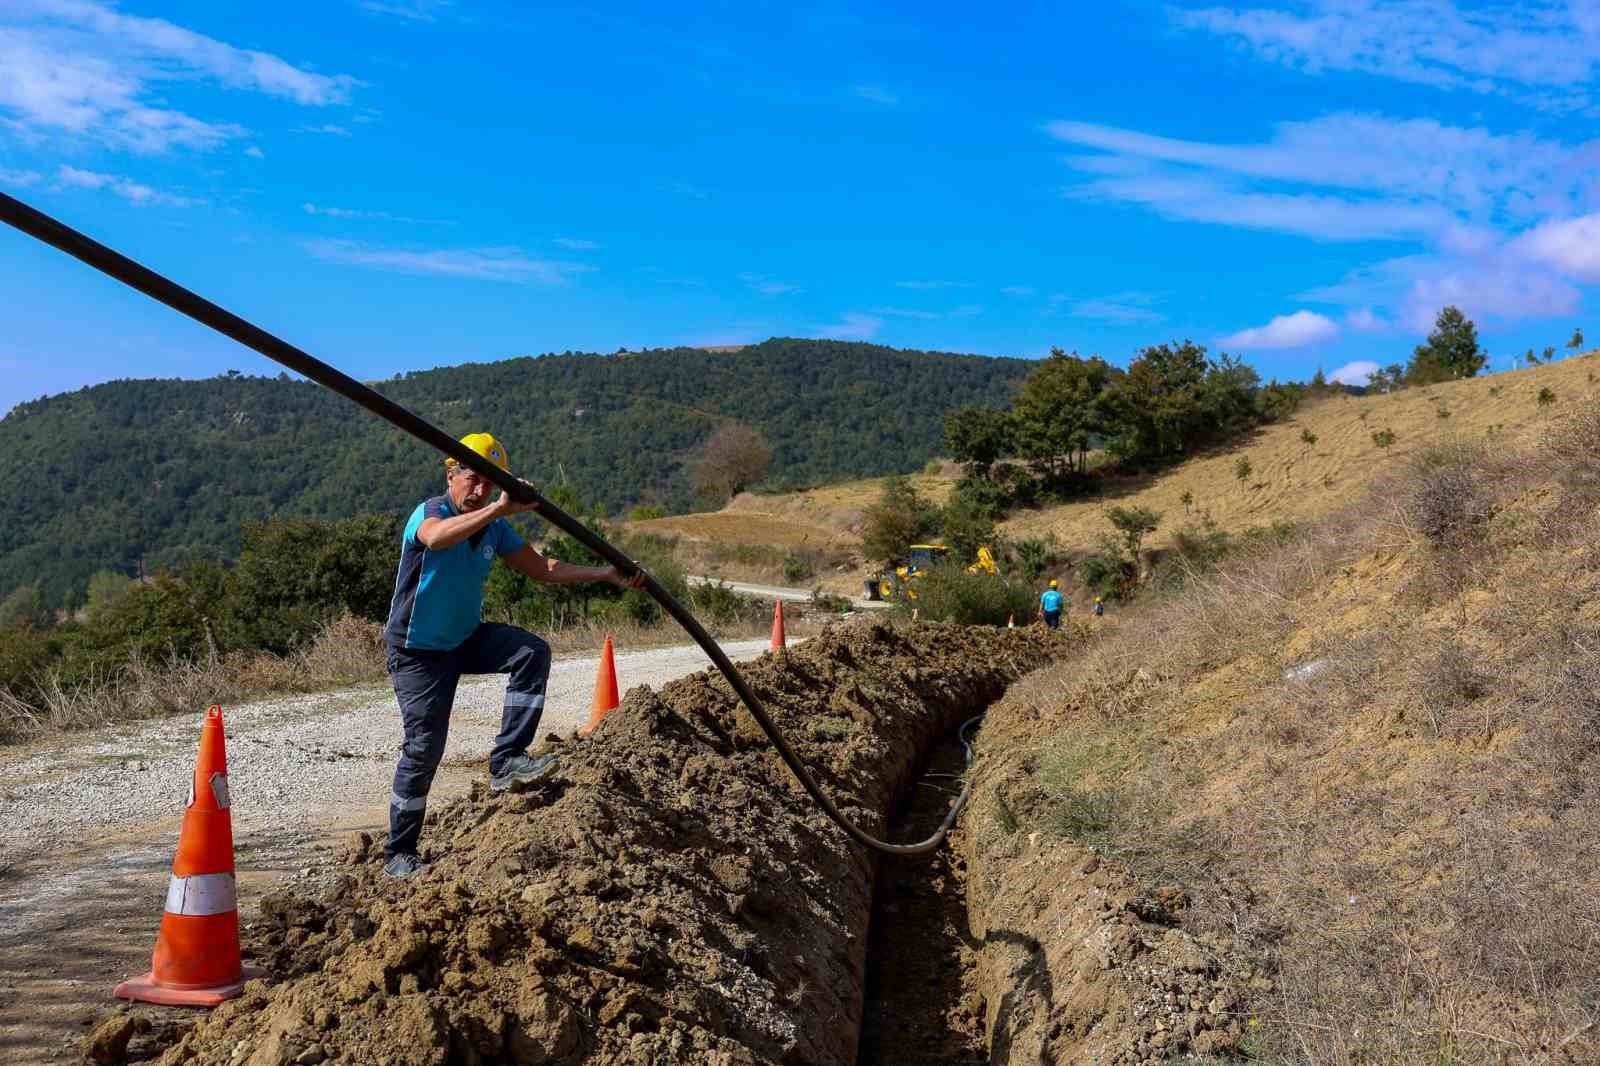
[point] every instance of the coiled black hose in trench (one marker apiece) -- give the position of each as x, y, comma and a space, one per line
37, 224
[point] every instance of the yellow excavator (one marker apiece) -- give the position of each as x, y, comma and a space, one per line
900, 582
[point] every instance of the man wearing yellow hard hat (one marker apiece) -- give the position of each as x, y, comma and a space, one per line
1050, 605
436, 633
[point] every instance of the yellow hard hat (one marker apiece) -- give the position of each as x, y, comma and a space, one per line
1097, 599
1053, 583
485, 445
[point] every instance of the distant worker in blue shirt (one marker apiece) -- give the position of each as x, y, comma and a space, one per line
436, 633
1050, 605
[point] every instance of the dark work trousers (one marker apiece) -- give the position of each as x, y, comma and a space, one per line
425, 685
1052, 619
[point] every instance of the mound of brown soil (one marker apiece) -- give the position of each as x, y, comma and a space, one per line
671, 896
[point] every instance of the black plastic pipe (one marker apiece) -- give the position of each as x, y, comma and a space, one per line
41, 226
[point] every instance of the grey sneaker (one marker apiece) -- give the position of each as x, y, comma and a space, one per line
404, 866
520, 770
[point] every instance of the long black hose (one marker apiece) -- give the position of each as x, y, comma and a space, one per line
41, 226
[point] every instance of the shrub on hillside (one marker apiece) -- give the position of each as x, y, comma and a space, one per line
901, 517
947, 593
1446, 502
1106, 571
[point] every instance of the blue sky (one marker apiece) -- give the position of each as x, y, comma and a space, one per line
400, 184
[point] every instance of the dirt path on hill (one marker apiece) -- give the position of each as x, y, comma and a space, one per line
89, 823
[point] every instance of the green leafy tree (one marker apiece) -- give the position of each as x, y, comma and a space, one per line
1133, 524
106, 587
1576, 343
1242, 468
1060, 410
902, 517
978, 436
1155, 407
1451, 351
25, 608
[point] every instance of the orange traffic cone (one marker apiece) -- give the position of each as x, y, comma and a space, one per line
605, 689
1011, 621
778, 642
196, 961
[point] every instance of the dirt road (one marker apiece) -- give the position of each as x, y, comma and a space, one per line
90, 823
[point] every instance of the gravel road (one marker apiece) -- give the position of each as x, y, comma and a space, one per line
89, 822
290, 760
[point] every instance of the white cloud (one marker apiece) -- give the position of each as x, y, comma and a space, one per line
577, 245
766, 286
1500, 285
255, 153
1120, 311
1356, 373
1541, 53
1571, 245
877, 94
484, 264
906, 312
328, 128
82, 68
380, 216
853, 326
410, 11
134, 192
933, 284
1365, 320
1340, 177
20, 178
1297, 330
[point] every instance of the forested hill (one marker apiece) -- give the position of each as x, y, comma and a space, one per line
157, 471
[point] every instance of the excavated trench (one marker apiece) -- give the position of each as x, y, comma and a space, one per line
671, 896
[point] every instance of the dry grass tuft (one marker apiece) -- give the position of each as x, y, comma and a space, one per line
1371, 755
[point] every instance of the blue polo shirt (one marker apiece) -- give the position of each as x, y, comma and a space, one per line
1051, 601
438, 595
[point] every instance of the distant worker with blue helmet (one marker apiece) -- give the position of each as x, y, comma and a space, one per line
436, 633
1050, 605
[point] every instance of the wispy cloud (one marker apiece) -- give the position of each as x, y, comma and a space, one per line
853, 326
136, 193
577, 245
876, 94
1298, 330
255, 153
1019, 290
328, 128
767, 286
1571, 245
483, 264
1365, 320
1357, 373
79, 67
1122, 309
410, 10
1545, 54
375, 216
20, 178
1499, 285
930, 285
906, 312
1340, 177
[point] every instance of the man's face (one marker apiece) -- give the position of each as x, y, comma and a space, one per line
468, 490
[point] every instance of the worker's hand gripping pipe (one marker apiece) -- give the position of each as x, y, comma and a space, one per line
41, 226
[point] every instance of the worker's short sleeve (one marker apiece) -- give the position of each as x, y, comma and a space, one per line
438, 507
507, 539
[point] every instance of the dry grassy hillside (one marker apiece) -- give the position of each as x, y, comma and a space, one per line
1290, 479
1368, 757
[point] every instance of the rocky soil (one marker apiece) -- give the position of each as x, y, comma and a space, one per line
1075, 961
671, 896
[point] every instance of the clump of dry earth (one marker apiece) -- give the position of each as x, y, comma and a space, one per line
672, 896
